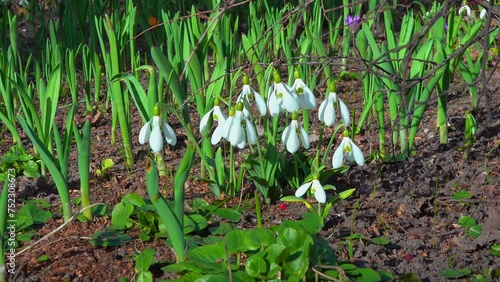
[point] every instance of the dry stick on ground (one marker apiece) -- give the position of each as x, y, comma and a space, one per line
338, 268
52, 233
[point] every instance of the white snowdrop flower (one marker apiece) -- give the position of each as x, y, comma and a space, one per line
248, 94
482, 14
326, 112
292, 133
154, 135
464, 9
348, 149
215, 113
281, 97
316, 189
307, 101
233, 130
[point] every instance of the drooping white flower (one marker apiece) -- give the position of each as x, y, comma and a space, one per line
281, 97
247, 95
233, 131
316, 189
348, 149
464, 9
326, 112
215, 113
482, 14
292, 133
154, 135
307, 101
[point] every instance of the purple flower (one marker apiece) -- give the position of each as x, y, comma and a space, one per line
352, 21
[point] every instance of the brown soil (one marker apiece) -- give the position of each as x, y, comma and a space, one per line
408, 202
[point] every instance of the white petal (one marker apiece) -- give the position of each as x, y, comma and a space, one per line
358, 155
304, 138
251, 132
218, 115
204, 120
227, 127
169, 134
156, 140
319, 192
302, 189
344, 112
328, 111
482, 14
290, 100
236, 132
290, 137
144, 133
218, 132
273, 105
242, 144
261, 105
338, 156
311, 100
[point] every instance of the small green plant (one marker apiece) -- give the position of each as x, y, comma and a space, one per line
18, 161
143, 262
472, 228
106, 165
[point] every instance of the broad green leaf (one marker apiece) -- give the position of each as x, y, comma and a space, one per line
230, 214
134, 199
109, 238
466, 221
35, 213
144, 260
462, 195
120, 216
209, 256
456, 273
346, 194
495, 250
256, 265
145, 276
194, 222
380, 241
367, 275
475, 230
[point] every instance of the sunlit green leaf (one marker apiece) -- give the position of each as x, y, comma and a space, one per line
456, 273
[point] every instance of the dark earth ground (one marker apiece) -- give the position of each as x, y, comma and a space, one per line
409, 202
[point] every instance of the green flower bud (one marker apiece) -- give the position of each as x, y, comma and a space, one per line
296, 74
239, 106
276, 76
156, 110
333, 87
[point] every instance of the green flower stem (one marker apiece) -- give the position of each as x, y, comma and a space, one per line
296, 161
257, 208
174, 227
180, 179
160, 164
305, 120
83, 143
335, 132
232, 172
